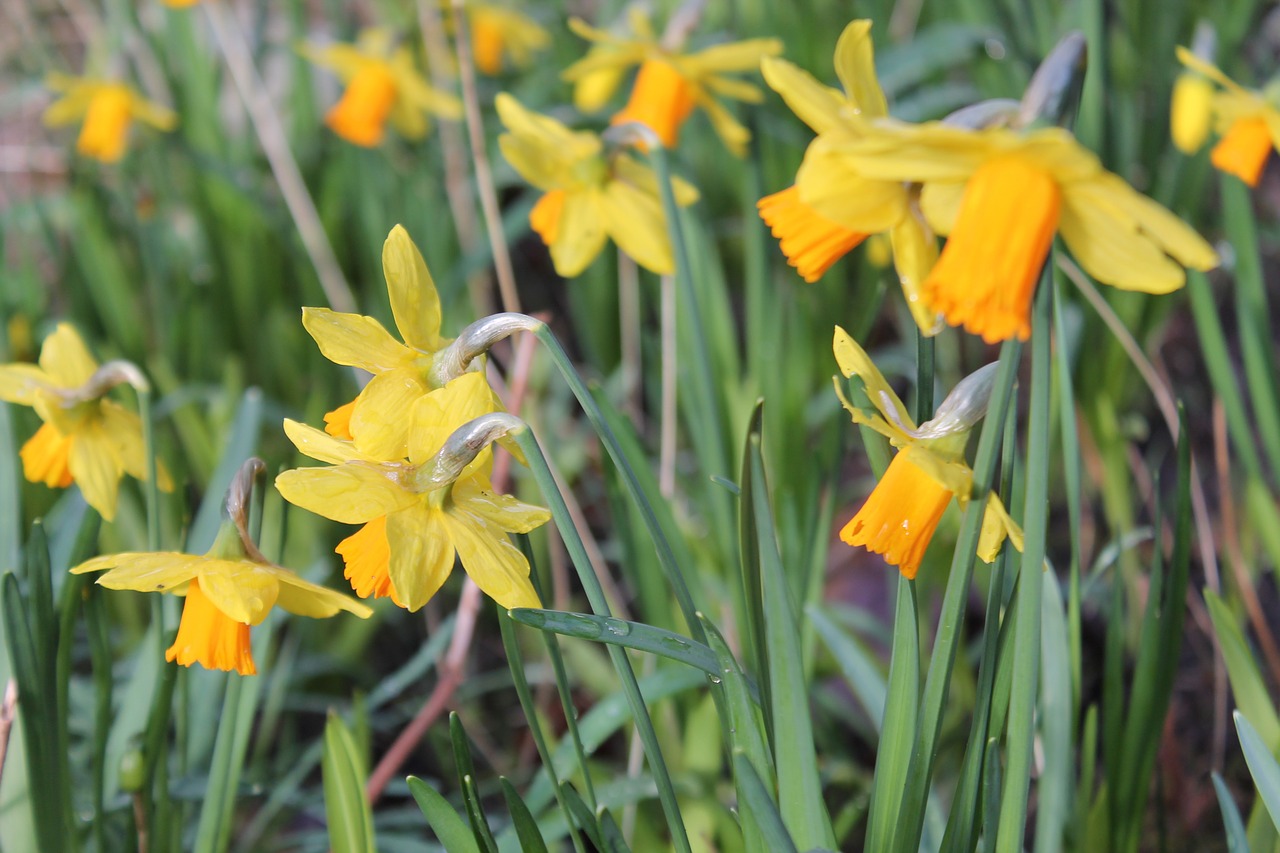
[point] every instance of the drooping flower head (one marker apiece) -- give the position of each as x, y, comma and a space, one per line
589, 195
86, 438
503, 36
229, 589
421, 514
811, 240
383, 84
671, 82
901, 514
107, 109
1247, 122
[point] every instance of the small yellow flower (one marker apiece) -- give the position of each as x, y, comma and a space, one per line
502, 35
1247, 121
86, 438
588, 198
1002, 195
811, 240
671, 83
1191, 112
903, 511
383, 85
415, 527
107, 109
227, 591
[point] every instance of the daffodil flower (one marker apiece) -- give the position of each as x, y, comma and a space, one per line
813, 241
383, 84
1248, 122
587, 196
415, 522
1001, 195
402, 372
86, 438
903, 511
502, 35
227, 590
671, 82
107, 109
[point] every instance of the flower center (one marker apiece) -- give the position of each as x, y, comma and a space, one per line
209, 637
361, 116
900, 515
811, 242
1244, 150
106, 125
661, 99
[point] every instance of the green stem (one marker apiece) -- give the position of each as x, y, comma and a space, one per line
1071, 477
1026, 647
600, 606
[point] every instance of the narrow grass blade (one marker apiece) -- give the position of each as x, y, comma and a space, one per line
446, 823
1237, 842
582, 815
1053, 804
527, 830
1262, 766
1247, 685
347, 811
864, 678
756, 800
898, 721
213, 834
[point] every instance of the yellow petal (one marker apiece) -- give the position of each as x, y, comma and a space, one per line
344, 60
308, 599
1208, 69
70, 108
915, 251
20, 382
854, 361
731, 87
489, 558
580, 236
415, 91
242, 590
65, 359
1172, 234
352, 493
319, 444
642, 177
149, 112
414, 300
830, 185
355, 340
477, 496
731, 131
955, 477
422, 555
634, 220
997, 526
856, 67
894, 151
125, 430
143, 572
435, 416
593, 89
940, 204
1111, 249
732, 56
816, 105
96, 469
379, 421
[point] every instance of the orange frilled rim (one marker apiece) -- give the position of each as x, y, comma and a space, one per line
810, 241
900, 515
209, 637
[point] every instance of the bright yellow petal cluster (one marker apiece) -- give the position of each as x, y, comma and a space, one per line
587, 198
671, 83
1247, 121
414, 528
502, 36
86, 438
107, 109
226, 593
1002, 195
814, 239
903, 511
383, 84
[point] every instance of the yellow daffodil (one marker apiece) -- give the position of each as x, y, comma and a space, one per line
587, 197
85, 438
1002, 195
671, 82
903, 511
107, 109
414, 525
383, 84
813, 241
227, 590
180, 4
502, 35
1247, 121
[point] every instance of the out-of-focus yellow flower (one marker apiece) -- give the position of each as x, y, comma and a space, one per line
227, 591
501, 35
903, 511
85, 438
401, 371
107, 109
179, 4
1001, 195
383, 84
1191, 112
414, 527
671, 83
1247, 121
811, 240
587, 198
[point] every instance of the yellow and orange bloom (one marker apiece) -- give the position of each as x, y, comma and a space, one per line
1002, 195
1247, 121
227, 590
106, 110
383, 85
503, 37
415, 525
900, 516
86, 438
588, 198
812, 240
670, 83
